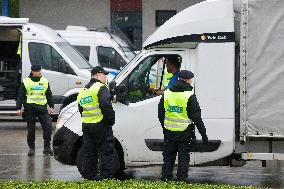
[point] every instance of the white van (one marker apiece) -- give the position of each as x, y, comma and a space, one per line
107, 47
233, 81
23, 44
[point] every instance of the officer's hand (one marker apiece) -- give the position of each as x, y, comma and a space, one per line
50, 110
151, 90
19, 112
159, 92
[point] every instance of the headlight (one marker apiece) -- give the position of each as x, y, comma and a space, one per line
65, 114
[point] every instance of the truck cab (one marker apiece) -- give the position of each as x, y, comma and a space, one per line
23, 44
205, 45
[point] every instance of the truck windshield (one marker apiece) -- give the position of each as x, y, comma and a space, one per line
128, 65
74, 55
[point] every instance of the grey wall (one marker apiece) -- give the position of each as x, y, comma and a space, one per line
60, 13
149, 12
92, 13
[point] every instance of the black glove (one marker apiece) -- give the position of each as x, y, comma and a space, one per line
205, 140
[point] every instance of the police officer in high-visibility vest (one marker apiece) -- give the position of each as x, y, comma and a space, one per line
179, 113
34, 94
97, 117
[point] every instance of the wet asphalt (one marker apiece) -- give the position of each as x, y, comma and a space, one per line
16, 165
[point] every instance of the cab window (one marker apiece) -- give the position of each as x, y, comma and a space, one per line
147, 76
110, 58
46, 56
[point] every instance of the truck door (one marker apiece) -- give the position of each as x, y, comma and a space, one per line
10, 66
138, 120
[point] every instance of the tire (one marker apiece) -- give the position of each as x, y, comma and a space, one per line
116, 170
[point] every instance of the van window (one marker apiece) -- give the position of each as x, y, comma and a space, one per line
148, 74
73, 55
84, 50
46, 56
109, 58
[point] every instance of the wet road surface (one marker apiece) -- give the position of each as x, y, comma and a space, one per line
15, 164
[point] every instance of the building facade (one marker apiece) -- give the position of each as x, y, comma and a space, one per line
136, 18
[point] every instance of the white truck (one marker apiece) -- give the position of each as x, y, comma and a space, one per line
234, 50
107, 47
23, 44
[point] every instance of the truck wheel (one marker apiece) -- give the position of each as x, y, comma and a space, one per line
116, 170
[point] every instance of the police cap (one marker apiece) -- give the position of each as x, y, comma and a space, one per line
185, 74
36, 67
98, 69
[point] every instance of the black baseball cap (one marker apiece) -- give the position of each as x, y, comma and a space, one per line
36, 67
98, 69
185, 74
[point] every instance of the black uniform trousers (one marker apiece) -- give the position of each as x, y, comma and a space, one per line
172, 146
98, 145
30, 115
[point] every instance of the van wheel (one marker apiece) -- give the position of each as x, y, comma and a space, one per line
116, 170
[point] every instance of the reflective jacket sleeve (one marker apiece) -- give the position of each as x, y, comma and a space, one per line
105, 105
49, 98
161, 111
80, 108
194, 112
21, 98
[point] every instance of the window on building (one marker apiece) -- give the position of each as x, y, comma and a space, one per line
127, 16
163, 15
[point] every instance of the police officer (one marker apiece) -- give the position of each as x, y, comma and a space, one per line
98, 117
34, 94
178, 112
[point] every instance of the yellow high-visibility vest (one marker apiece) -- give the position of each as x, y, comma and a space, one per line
88, 99
166, 78
19, 51
175, 104
36, 91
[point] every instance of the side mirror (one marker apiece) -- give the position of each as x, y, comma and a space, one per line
121, 93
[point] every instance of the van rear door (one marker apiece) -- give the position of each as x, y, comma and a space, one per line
10, 61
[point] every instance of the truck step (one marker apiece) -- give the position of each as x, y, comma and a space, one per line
262, 156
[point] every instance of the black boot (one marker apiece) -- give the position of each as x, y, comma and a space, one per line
167, 179
183, 179
31, 152
47, 151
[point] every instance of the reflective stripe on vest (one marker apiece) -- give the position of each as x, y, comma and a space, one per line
175, 104
166, 78
36, 91
88, 99
91, 108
